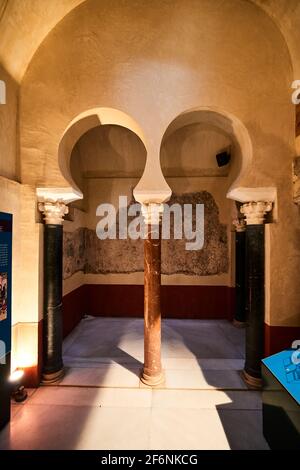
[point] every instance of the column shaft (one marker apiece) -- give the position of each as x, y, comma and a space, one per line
240, 278
255, 269
152, 373
52, 335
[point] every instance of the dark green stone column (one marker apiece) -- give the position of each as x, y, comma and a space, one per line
52, 323
240, 275
255, 288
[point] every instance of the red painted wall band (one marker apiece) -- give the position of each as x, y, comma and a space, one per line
193, 302
278, 338
107, 300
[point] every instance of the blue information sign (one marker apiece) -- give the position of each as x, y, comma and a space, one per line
285, 366
5, 283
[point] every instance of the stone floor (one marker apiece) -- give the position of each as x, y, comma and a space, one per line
101, 404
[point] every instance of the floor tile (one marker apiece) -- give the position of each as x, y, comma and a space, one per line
102, 376
206, 399
123, 339
204, 364
203, 379
100, 403
84, 396
243, 429
64, 427
186, 429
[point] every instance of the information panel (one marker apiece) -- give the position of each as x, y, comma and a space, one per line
285, 366
5, 284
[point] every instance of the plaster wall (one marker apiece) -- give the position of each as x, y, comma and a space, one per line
27, 271
123, 56
9, 167
286, 15
20, 201
24, 25
155, 60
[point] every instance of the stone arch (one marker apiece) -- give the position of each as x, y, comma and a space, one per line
82, 123
230, 125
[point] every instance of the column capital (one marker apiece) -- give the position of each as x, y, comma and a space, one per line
54, 211
239, 224
255, 212
152, 213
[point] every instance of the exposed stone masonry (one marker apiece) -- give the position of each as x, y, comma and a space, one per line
83, 251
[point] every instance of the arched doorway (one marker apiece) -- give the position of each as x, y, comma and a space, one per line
204, 155
98, 135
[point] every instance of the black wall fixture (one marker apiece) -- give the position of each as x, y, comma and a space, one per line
223, 158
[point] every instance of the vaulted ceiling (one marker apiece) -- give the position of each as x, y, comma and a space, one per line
25, 23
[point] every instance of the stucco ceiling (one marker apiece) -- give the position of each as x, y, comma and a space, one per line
25, 23
23, 26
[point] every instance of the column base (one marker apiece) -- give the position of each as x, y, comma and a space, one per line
254, 383
52, 377
152, 381
239, 324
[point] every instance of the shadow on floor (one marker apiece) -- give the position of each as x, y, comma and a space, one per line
199, 356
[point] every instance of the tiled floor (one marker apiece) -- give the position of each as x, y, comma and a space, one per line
100, 404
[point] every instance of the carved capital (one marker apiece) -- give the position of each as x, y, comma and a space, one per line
54, 211
152, 213
255, 212
239, 224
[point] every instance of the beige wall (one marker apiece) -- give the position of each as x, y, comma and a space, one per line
27, 267
154, 60
26, 24
8, 129
131, 61
109, 151
20, 201
191, 151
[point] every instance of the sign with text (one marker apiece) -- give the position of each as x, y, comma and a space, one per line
5, 283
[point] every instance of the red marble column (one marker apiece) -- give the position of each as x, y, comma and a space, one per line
152, 372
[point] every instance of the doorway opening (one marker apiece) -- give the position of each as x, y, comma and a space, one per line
197, 287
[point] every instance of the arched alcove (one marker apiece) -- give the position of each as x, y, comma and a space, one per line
209, 130
204, 154
107, 153
89, 121
102, 156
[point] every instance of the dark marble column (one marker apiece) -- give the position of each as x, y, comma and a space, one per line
240, 274
255, 287
152, 372
52, 324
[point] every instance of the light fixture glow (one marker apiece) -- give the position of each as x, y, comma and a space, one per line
16, 375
